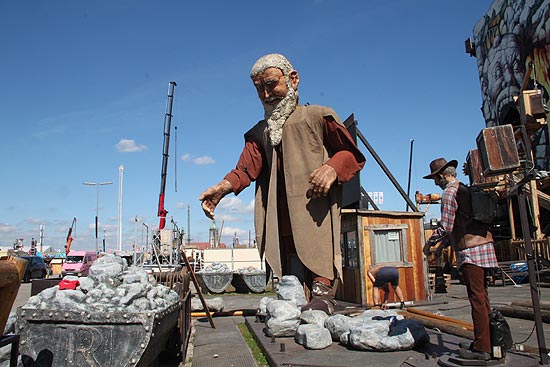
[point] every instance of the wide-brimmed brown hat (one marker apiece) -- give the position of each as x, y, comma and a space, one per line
438, 165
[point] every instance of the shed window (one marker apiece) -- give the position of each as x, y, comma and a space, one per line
388, 243
350, 251
349, 242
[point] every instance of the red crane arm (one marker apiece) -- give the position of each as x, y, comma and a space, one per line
167, 121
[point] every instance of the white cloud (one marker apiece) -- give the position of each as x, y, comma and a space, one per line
200, 161
110, 229
204, 160
129, 146
32, 220
243, 234
249, 208
227, 218
239, 231
231, 231
232, 204
5, 227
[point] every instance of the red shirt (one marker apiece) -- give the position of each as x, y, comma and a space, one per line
346, 159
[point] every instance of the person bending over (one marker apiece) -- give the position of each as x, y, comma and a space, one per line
382, 277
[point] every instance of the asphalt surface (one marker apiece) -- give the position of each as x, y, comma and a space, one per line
224, 345
284, 352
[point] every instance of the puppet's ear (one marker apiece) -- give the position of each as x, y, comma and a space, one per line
294, 79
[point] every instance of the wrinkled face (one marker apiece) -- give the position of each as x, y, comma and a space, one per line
502, 78
271, 85
440, 181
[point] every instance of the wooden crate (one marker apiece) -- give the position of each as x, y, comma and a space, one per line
531, 106
498, 150
474, 171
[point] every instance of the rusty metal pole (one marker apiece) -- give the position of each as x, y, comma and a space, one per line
386, 170
409, 178
543, 352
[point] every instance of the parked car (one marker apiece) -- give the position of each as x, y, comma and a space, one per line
36, 268
78, 263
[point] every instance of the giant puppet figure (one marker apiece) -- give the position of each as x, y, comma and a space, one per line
299, 157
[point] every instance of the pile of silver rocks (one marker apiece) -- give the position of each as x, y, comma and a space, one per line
109, 287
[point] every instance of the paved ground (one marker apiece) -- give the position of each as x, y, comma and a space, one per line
458, 307
224, 346
284, 352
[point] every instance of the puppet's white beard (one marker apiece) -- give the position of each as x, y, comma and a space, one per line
278, 114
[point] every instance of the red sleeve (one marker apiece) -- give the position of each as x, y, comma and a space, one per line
345, 156
248, 167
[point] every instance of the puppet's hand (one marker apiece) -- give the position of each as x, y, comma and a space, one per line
321, 181
212, 196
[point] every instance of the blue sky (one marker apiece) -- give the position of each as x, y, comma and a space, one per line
84, 85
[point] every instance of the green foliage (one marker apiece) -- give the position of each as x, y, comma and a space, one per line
254, 348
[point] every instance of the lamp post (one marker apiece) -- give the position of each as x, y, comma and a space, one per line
96, 184
146, 236
144, 255
120, 177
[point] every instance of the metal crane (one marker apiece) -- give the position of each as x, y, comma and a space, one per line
167, 122
69, 237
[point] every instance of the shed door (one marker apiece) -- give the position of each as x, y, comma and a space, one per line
350, 290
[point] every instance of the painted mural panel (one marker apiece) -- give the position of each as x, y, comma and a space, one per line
511, 41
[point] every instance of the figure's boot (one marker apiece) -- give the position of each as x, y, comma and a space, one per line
322, 298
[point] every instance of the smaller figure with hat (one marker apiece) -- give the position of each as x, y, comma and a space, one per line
473, 244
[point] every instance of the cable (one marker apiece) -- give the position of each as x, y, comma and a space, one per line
529, 336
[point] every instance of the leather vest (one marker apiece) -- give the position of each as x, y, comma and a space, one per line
467, 232
315, 223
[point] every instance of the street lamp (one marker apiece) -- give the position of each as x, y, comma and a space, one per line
144, 254
96, 184
147, 236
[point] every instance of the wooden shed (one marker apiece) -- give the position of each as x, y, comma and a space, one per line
374, 237
56, 264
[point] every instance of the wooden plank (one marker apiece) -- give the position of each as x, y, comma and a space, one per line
8, 274
475, 170
520, 312
367, 284
498, 150
11, 270
467, 325
444, 326
11, 273
417, 257
544, 305
411, 278
381, 213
